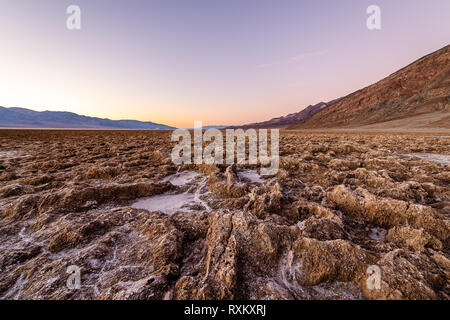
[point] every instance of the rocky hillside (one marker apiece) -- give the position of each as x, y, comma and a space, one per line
290, 119
420, 88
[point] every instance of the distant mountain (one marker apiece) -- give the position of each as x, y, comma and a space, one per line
417, 95
215, 127
26, 118
290, 119
211, 127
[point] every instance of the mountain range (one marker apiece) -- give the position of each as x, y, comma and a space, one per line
419, 90
290, 119
416, 96
26, 118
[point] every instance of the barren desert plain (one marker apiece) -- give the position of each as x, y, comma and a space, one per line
139, 227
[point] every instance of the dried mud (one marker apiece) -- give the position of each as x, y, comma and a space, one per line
341, 202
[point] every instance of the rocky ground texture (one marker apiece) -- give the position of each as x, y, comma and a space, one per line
340, 203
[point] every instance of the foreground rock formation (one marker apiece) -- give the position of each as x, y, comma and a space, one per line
340, 203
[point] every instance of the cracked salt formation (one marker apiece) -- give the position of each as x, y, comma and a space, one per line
377, 234
252, 175
182, 178
306, 233
15, 291
167, 203
437, 158
10, 154
170, 203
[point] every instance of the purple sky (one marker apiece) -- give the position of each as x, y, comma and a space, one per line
222, 62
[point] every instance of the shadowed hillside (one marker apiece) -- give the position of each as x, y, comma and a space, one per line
293, 118
420, 88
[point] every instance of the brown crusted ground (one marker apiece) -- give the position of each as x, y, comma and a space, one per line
306, 233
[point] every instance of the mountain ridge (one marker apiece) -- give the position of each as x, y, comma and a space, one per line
26, 118
285, 121
420, 88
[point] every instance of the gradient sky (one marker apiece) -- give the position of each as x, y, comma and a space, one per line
219, 61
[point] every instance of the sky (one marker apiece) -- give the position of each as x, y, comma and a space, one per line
221, 62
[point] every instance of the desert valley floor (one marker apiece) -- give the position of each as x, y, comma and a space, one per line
140, 227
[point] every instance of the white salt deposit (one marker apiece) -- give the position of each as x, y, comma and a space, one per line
166, 203
433, 157
15, 291
251, 175
377, 234
182, 178
171, 203
9, 154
